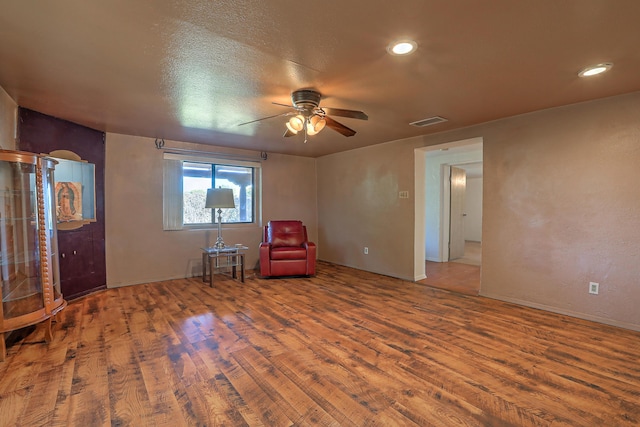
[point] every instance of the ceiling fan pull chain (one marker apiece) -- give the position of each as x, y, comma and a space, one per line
305, 129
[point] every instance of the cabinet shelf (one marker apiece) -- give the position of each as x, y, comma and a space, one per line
20, 289
16, 260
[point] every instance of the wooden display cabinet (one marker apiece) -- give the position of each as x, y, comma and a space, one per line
29, 270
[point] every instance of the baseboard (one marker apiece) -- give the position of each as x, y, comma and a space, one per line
150, 280
583, 316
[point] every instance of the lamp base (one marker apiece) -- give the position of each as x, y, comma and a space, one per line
219, 242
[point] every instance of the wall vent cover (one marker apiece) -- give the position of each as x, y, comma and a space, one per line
428, 122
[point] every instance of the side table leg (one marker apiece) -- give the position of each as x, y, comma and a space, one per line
242, 268
204, 266
211, 270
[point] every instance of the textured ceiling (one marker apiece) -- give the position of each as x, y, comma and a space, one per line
192, 70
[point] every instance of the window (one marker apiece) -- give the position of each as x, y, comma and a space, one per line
187, 179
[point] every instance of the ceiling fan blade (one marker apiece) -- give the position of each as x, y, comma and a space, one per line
288, 133
339, 127
352, 114
264, 118
283, 105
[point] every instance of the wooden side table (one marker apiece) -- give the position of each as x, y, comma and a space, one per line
218, 259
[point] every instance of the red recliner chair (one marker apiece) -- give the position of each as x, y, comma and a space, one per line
285, 251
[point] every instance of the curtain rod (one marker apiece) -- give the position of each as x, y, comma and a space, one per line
160, 146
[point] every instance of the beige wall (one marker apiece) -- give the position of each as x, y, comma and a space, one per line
358, 206
8, 109
138, 250
561, 208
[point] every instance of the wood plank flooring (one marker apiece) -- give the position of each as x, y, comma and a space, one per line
453, 276
472, 253
461, 275
344, 348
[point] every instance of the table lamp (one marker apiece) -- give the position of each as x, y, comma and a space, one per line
219, 198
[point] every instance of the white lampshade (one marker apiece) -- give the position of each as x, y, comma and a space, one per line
220, 198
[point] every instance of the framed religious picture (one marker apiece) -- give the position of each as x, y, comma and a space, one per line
74, 190
68, 201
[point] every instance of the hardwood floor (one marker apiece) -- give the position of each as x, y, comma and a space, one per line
346, 348
472, 253
461, 275
453, 276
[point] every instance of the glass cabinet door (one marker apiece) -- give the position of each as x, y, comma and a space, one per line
29, 269
20, 273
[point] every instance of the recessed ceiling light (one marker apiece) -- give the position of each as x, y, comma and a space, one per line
595, 69
403, 47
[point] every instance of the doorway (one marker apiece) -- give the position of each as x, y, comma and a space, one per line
435, 228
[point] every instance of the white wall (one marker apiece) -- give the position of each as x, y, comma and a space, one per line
434, 220
473, 209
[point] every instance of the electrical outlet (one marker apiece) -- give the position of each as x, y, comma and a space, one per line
594, 288
366, 250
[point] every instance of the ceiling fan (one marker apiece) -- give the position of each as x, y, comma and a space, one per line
310, 118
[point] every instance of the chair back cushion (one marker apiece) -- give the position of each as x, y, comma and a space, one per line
286, 233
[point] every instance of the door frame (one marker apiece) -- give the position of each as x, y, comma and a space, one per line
420, 223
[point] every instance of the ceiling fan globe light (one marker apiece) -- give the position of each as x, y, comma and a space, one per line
297, 123
291, 129
315, 125
320, 125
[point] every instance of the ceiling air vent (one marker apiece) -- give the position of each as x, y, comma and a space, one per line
428, 122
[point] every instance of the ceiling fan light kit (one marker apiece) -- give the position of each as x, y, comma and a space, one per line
311, 118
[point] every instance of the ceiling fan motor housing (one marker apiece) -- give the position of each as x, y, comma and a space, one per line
307, 99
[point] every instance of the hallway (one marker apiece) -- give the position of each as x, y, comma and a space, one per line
461, 275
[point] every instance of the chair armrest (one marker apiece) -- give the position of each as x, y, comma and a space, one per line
311, 257
311, 250
264, 254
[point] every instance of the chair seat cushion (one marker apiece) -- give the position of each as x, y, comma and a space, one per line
288, 253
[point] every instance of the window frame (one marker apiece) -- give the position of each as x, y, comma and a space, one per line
173, 194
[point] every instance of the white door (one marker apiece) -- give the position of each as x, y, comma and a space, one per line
458, 185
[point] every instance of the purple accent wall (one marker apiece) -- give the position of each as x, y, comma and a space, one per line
83, 268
